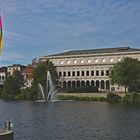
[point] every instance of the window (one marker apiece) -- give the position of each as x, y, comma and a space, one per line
68, 73
111, 60
75, 61
82, 61
92, 73
61, 62
89, 61
107, 72
97, 72
83, 73
103, 60
73, 73
102, 72
64, 73
87, 73
119, 59
96, 61
68, 62
78, 73
60, 74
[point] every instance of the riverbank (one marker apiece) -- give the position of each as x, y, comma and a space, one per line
108, 97
85, 96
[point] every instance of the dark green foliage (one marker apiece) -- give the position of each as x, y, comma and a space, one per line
18, 77
12, 85
132, 98
1, 90
111, 97
127, 73
27, 94
40, 75
11, 88
85, 89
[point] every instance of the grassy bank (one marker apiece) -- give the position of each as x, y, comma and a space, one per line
85, 98
108, 97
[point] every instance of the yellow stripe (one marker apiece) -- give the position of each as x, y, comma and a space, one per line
1, 43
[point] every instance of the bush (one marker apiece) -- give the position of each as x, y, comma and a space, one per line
85, 89
111, 97
132, 98
26, 94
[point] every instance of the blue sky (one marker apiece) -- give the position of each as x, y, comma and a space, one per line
33, 28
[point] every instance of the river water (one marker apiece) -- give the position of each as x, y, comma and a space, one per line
72, 120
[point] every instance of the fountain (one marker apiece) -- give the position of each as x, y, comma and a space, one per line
42, 91
51, 89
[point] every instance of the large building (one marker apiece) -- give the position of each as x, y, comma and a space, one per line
89, 67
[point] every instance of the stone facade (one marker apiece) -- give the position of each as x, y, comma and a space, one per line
90, 67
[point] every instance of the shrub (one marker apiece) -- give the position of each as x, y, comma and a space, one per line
85, 89
132, 98
26, 94
111, 97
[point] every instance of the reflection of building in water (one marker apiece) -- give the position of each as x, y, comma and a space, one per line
89, 67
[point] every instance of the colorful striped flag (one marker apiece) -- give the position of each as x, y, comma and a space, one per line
0, 34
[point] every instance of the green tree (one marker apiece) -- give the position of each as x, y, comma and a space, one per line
10, 88
12, 85
126, 73
40, 74
19, 78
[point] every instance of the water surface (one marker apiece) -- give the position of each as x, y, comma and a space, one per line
72, 120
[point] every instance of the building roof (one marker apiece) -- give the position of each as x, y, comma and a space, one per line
3, 69
29, 69
94, 51
17, 65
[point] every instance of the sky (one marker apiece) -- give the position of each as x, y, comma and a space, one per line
34, 28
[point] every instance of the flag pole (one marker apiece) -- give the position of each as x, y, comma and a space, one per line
0, 33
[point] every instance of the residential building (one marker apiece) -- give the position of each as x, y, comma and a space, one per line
14, 67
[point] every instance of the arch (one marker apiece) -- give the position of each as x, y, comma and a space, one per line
92, 83
3, 77
102, 84
69, 84
82, 83
73, 84
97, 84
87, 83
107, 85
64, 85
78, 83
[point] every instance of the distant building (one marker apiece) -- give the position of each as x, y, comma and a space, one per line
3, 74
14, 67
28, 73
89, 67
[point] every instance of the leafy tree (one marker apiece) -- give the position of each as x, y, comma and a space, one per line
126, 73
40, 74
19, 78
12, 85
10, 88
